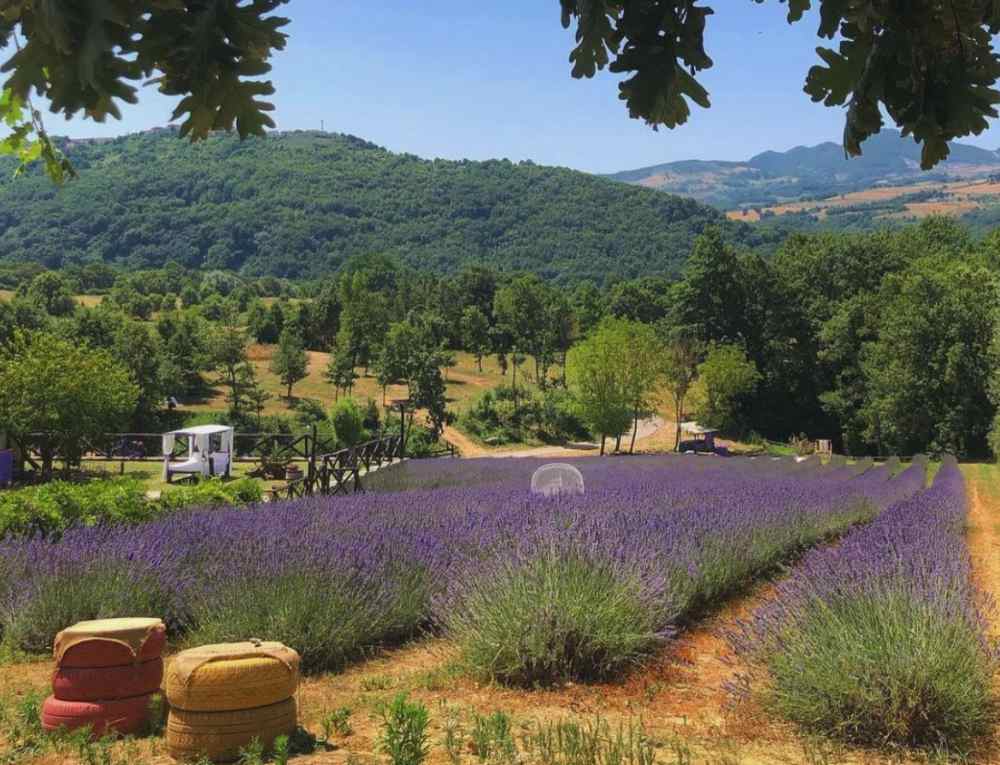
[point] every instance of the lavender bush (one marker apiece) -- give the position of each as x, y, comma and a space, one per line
579, 586
879, 640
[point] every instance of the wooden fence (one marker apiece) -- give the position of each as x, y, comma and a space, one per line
147, 447
329, 471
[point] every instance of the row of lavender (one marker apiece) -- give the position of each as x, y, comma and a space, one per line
880, 639
534, 589
513, 473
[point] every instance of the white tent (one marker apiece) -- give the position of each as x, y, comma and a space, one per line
209, 451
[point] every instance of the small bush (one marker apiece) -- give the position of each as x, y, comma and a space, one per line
338, 721
595, 742
51, 509
348, 422
550, 417
97, 591
403, 737
884, 670
329, 618
553, 618
492, 739
211, 493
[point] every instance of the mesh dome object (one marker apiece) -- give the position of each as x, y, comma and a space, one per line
557, 478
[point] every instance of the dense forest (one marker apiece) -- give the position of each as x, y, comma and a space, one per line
301, 204
884, 341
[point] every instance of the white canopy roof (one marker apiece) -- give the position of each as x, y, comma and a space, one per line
695, 429
202, 430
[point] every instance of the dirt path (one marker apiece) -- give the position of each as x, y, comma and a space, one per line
649, 433
983, 485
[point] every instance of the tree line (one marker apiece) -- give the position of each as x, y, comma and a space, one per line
883, 341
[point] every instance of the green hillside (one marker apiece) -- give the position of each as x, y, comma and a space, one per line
809, 172
300, 204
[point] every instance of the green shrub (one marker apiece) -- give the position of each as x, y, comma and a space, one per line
550, 417
98, 592
403, 737
348, 422
555, 617
328, 618
52, 508
210, 493
840, 671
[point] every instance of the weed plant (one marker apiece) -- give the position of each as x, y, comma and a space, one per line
403, 736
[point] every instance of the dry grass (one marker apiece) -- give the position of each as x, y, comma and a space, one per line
464, 383
680, 698
960, 197
89, 301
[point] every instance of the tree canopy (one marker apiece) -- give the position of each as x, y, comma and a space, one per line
929, 65
68, 392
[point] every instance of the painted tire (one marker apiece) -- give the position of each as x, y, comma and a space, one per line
108, 682
220, 735
96, 654
231, 684
123, 716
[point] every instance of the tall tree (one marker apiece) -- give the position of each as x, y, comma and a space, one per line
476, 333
52, 293
520, 309
679, 369
290, 361
340, 372
140, 351
68, 392
725, 377
594, 371
641, 371
928, 373
227, 352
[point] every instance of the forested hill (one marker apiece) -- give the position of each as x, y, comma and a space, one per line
300, 204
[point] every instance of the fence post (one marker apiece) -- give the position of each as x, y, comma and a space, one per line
311, 474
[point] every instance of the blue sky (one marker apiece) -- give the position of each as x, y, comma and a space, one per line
443, 78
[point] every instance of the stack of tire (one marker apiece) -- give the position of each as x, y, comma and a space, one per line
106, 674
224, 696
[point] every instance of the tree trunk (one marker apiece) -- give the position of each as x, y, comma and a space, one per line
513, 383
47, 459
618, 442
603, 438
289, 396
679, 415
635, 429
479, 362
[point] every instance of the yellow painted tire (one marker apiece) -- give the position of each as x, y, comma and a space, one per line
220, 735
231, 684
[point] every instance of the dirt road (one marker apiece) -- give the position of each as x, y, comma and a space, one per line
650, 429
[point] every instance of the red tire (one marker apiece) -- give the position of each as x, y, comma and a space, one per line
105, 683
124, 716
94, 654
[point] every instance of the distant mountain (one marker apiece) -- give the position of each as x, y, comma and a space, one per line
807, 172
300, 204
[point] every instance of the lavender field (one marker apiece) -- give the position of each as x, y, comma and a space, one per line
536, 591
882, 638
